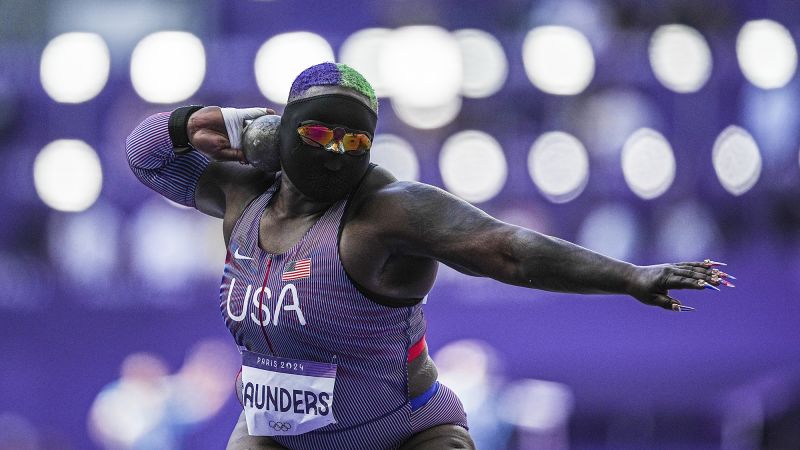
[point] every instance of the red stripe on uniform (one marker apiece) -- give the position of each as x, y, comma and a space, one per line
416, 349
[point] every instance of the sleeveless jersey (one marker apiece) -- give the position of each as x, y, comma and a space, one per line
301, 304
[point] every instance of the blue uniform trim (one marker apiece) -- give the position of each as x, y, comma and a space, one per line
420, 400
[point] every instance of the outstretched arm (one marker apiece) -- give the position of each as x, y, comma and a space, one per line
426, 221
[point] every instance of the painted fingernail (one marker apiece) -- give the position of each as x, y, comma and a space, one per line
709, 262
680, 308
727, 283
719, 273
706, 285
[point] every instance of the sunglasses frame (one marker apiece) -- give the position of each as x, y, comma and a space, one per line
334, 127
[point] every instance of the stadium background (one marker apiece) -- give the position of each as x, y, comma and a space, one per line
651, 131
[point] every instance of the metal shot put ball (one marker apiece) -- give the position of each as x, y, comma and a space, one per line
261, 143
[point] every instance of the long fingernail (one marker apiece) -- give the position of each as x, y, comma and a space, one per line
680, 308
709, 262
719, 273
726, 283
710, 286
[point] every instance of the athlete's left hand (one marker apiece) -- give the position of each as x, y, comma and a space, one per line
651, 284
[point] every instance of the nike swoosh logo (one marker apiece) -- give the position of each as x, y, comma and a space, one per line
238, 256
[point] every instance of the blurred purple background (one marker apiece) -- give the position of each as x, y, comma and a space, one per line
84, 286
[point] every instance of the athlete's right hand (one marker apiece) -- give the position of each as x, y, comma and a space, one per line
216, 132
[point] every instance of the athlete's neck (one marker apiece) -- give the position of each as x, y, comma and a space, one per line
290, 202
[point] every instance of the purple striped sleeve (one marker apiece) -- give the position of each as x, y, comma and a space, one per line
150, 156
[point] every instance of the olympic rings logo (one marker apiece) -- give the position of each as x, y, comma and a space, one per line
280, 426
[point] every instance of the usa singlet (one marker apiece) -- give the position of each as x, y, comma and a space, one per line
302, 305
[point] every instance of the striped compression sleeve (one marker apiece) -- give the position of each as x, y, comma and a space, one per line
150, 155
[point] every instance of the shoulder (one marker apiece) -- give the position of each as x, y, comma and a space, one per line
391, 204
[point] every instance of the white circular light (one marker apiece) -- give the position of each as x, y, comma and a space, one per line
558, 60
168, 66
473, 166
421, 65
67, 175
361, 51
611, 230
559, 166
767, 53
395, 154
736, 159
648, 163
281, 59
75, 67
680, 58
485, 63
428, 118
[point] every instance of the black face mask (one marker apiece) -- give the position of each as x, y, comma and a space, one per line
319, 174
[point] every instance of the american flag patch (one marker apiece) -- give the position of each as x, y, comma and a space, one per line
296, 270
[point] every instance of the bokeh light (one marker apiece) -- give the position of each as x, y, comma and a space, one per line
737, 160
281, 58
397, 155
421, 66
767, 53
559, 166
428, 117
168, 66
473, 166
67, 175
361, 51
610, 229
680, 58
88, 239
537, 404
558, 60
484, 61
165, 251
608, 118
772, 117
687, 218
648, 163
74, 67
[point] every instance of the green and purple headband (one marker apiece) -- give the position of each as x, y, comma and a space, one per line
333, 74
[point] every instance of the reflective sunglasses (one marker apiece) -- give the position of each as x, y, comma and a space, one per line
337, 140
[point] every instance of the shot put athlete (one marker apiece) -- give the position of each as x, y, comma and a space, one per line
328, 260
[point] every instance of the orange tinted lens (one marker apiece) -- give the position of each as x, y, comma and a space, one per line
319, 134
310, 142
355, 142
